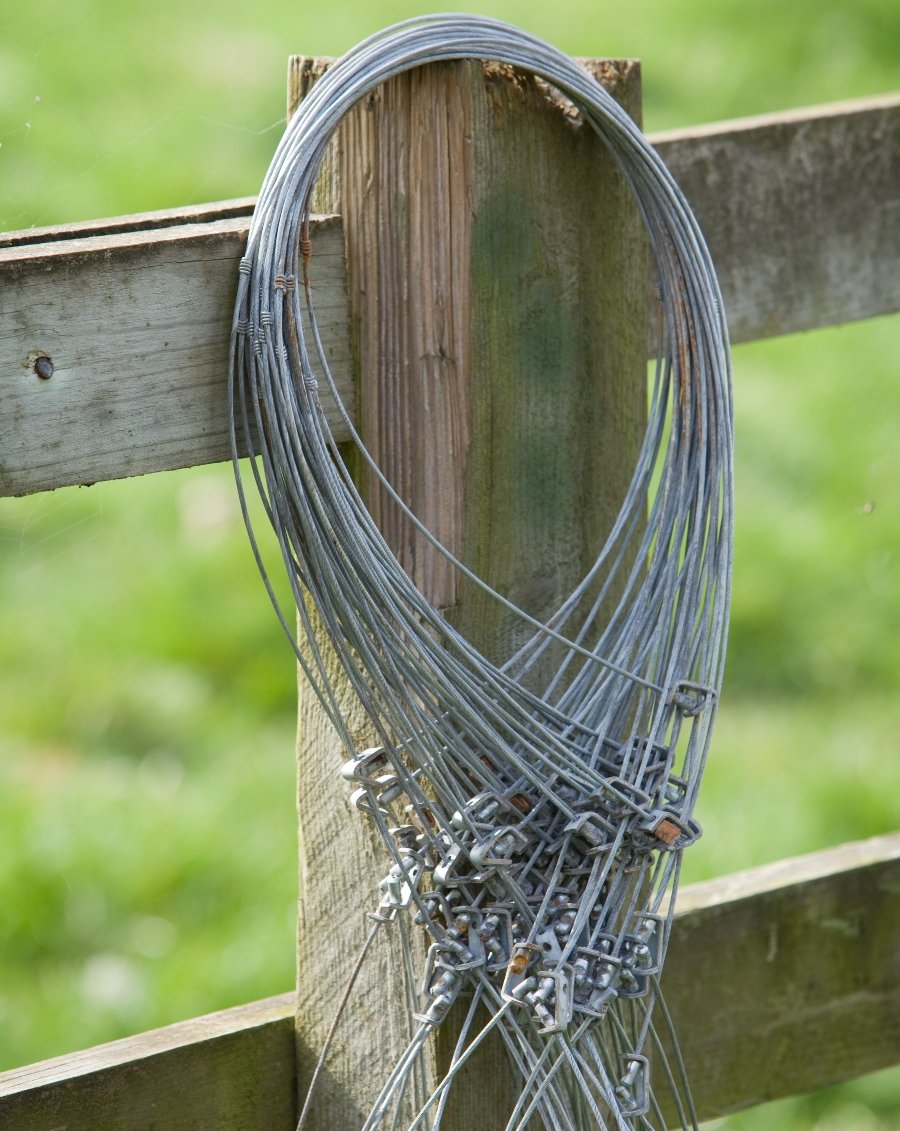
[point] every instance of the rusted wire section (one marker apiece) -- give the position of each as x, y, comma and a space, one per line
536, 836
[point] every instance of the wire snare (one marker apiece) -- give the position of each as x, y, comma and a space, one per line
534, 834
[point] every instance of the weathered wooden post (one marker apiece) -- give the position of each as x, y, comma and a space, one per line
498, 292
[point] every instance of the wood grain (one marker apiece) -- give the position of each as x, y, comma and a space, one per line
228, 1071
137, 325
801, 211
409, 343
135, 222
557, 277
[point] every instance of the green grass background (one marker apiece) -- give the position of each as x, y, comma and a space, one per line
147, 698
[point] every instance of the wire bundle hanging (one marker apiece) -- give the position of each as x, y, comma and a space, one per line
535, 834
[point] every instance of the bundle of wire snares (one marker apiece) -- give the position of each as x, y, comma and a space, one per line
534, 833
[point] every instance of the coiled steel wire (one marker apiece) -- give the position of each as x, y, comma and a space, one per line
536, 835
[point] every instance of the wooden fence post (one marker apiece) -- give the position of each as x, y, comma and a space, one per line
497, 269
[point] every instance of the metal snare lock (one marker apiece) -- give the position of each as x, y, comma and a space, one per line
498, 849
633, 1089
495, 933
366, 763
522, 964
553, 999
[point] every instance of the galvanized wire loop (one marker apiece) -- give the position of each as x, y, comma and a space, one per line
535, 835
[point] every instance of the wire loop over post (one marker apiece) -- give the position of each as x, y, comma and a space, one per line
534, 833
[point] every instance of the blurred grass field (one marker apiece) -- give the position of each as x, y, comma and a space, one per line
147, 699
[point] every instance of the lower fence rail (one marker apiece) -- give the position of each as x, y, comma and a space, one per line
781, 980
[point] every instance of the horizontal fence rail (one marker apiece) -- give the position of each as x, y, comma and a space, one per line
801, 211
781, 980
135, 323
232, 1071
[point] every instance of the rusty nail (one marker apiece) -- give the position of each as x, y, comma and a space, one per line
518, 963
